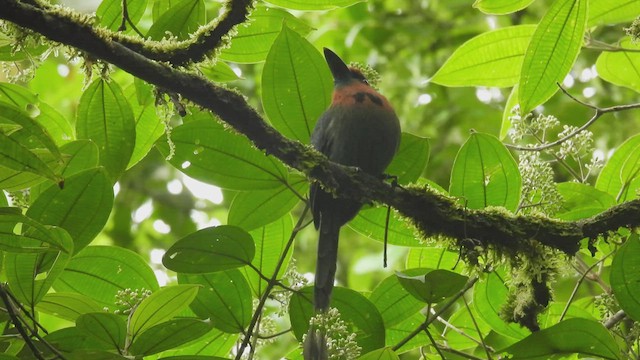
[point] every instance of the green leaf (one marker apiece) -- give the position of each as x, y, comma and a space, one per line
393, 301
206, 151
161, 306
296, 85
209, 250
571, 336
149, 128
67, 305
432, 258
253, 40
314, 4
380, 354
434, 286
621, 67
101, 271
253, 209
32, 127
493, 58
220, 72
371, 223
181, 20
225, 298
501, 7
169, 335
71, 339
270, 242
485, 174
105, 116
553, 49
410, 159
612, 11
462, 326
489, 296
33, 237
30, 276
354, 309
512, 101
82, 207
110, 12
19, 158
620, 176
104, 327
625, 277
396, 333
215, 343
580, 201
194, 357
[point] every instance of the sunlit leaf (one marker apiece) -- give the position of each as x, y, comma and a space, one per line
580, 201
110, 12
67, 305
168, 335
553, 49
612, 11
180, 21
621, 67
501, 7
314, 4
433, 286
620, 176
485, 174
493, 58
161, 306
104, 327
512, 101
410, 159
393, 301
380, 354
432, 258
372, 223
296, 85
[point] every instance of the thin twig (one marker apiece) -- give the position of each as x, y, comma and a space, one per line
575, 288
15, 319
598, 113
475, 324
270, 285
435, 345
434, 316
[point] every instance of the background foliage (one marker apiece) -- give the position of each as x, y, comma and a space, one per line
116, 191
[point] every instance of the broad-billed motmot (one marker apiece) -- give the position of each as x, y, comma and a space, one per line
359, 129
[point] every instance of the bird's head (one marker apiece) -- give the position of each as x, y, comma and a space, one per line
342, 74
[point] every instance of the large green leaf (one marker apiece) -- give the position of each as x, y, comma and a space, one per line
485, 174
571, 336
433, 285
180, 21
105, 116
210, 249
71, 339
225, 298
512, 101
612, 11
161, 306
489, 296
314, 4
393, 301
501, 7
30, 275
410, 160
29, 125
354, 309
215, 343
621, 67
625, 277
553, 49
580, 201
620, 176
296, 85
82, 207
206, 151
270, 242
493, 58
432, 258
100, 272
168, 335
253, 40
399, 332
110, 12
67, 305
33, 237
149, 127
18, 158
253, 209
380, 354
107, 328
372, 223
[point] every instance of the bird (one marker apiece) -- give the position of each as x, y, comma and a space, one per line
359, 129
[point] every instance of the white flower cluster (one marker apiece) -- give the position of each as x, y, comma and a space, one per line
539, 191
530, 125
341, 342
128, 299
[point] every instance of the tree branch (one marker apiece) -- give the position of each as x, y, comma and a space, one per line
431, 212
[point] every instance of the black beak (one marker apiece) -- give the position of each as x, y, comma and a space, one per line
339, 69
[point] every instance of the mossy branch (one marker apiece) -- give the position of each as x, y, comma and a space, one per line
431, 212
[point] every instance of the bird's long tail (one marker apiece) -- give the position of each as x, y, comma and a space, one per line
315, 346
326, 262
